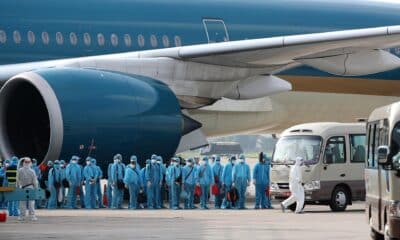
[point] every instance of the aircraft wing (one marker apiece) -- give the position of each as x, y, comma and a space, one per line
346, 53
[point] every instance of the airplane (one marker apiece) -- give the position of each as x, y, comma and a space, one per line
99, 77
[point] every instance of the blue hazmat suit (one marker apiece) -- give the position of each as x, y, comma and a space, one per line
227, 182
162, 189
90, 176
133, 182
54, 185
261, 182
189, 178
13, 206
97, 187
217, 171
205, 179
61, 201
153, 177
117, 174
109, 186
174, 173
73, 175
241, 179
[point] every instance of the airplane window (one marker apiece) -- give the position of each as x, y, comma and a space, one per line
17, 37
153, 40
114, 39
3, 36
31, 37
59, 38
140, 40
73, 38
127, 40
100, 39
87, 39
178, 41
165, 40
45, 38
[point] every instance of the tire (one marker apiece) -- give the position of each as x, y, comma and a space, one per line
374, 234
339, 199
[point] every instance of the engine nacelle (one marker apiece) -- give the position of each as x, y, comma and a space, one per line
54, 113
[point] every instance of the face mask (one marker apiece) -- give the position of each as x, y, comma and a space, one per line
159, 162
203, 163
190, 164
74, 162
153, 161
87, 163
116, 161
241, 160
133, 165
27, 164
7, 165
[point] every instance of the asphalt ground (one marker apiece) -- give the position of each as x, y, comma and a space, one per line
318, 222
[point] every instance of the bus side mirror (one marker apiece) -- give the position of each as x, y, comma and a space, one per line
383, 152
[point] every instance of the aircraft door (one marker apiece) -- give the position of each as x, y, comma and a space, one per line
216, 30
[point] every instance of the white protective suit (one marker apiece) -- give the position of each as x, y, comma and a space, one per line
296, 187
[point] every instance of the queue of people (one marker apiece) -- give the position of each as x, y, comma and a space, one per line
183, 183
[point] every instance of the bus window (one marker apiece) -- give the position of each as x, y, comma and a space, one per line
335, 151
357, 148
376, 145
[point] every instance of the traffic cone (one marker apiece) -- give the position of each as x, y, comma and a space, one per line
3, 216
105, 199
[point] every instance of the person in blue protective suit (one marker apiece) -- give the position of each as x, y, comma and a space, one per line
217, 171
153, 181
227, 182
241, 180
174, 180
189, 178
109, 186
143, 175
133, 182
73, 175
54, 184
163, 190
97, 186
89, 176
2, 176
205, 179
4, 181
261, 182
117, 179
11, 174
61, 195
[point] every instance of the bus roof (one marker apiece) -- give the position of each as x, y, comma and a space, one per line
325, 128
390, 112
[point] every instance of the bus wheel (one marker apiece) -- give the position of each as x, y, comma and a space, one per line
339, 199
374, 234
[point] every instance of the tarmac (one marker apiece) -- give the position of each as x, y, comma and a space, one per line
318, 222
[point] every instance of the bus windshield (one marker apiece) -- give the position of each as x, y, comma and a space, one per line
290, 147
395, 146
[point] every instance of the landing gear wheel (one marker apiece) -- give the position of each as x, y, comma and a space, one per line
339, 199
